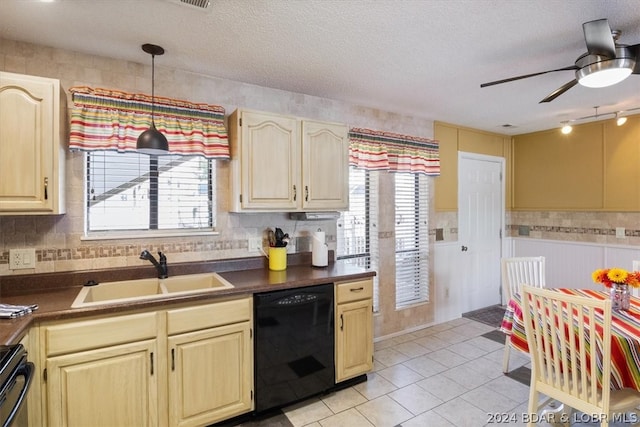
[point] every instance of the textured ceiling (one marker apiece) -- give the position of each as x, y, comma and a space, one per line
424, 58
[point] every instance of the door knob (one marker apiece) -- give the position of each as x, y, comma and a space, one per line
464, 249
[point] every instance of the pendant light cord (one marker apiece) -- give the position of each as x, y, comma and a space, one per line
153, 85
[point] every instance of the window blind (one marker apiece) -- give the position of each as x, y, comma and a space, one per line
131, 191
411, 239
357, 229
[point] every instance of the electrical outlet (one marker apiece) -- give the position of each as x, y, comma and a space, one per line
22, 258
620, 232
255, 244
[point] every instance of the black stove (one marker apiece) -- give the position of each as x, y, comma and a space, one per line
15, 378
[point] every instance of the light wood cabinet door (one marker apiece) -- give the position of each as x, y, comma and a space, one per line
286, 164
325, 166
113, 386
210, 375
354, 328
270, 159
31, 160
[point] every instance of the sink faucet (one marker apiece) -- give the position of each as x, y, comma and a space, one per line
160, 266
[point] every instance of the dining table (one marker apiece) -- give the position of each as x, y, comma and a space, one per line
625, 335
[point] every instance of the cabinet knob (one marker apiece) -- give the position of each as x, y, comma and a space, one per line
306, 193
294, 193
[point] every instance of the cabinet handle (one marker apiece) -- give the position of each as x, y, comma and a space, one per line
173, 359
341, 323
361, 288
46, 187
294, 193
151, 358
306, 193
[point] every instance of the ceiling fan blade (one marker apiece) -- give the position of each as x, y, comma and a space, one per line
635, 49
562, 89
510, 79
597, 35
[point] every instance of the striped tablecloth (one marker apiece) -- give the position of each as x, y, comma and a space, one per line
625, 336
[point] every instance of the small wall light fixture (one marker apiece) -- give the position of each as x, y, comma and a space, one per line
620, 119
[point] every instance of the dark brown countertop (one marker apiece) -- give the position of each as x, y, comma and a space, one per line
248, 276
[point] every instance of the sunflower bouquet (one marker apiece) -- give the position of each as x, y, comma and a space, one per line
618, 276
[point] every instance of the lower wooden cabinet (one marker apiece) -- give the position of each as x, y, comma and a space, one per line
354, 328
210, 372
183, 366
111, 386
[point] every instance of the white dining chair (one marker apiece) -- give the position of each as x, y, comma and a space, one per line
635, 267
557, 341
515, 272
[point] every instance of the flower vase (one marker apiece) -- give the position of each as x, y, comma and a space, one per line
620, 296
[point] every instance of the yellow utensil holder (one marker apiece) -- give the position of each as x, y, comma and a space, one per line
277, 259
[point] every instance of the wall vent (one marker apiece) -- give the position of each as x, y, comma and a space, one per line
198, 4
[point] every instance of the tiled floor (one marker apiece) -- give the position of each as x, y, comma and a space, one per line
445, 375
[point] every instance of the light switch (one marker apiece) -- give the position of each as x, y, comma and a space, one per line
22, 258
620, 232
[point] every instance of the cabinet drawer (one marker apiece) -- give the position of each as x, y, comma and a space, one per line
94, 333
354, 291
209, 315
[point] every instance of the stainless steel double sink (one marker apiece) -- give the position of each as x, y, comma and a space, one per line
144, 289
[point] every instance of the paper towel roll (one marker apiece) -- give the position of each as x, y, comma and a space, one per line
319, 250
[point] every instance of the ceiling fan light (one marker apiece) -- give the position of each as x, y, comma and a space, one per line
598, 71
604, 78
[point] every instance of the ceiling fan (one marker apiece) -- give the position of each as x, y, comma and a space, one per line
605, 63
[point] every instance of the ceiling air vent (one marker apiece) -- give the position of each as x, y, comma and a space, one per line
199, 4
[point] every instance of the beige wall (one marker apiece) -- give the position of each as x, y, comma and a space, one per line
578, 187
58, 239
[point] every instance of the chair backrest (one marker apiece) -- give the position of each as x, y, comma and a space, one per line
562, 343
521, 270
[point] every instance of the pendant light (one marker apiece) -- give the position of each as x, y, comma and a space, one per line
151, 141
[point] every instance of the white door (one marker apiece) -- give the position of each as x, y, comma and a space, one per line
480, 225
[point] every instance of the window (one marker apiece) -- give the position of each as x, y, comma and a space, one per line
412, 239
131, 191
357, 227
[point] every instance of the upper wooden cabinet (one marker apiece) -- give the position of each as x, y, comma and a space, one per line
31, 155
286, 164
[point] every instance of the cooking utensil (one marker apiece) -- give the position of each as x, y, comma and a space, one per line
281, 238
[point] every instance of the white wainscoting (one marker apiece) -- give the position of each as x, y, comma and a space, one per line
447, 296
568, 265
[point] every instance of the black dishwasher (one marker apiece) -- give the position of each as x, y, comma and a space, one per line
294, 345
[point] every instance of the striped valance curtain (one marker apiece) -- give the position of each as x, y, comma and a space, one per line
377, 150
103, 119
